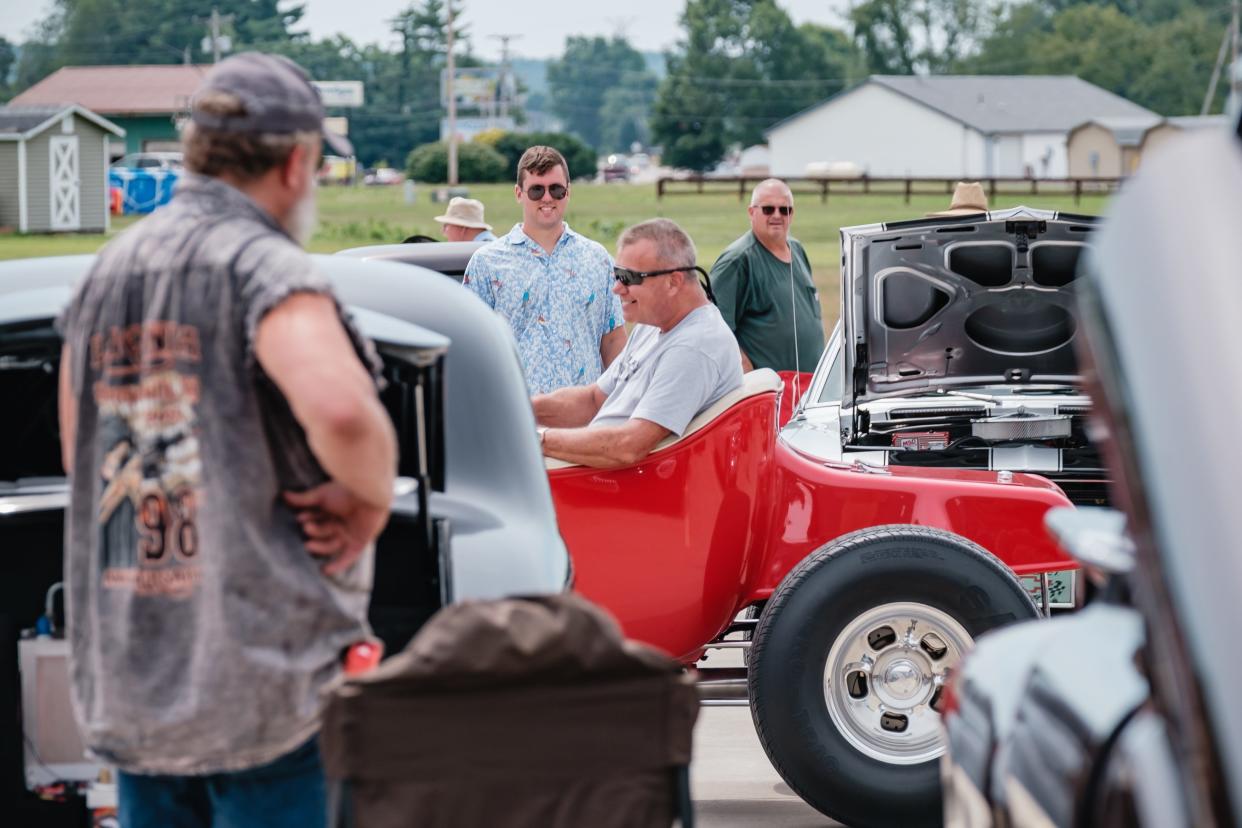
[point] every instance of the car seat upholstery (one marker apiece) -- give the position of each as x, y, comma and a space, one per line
760, 381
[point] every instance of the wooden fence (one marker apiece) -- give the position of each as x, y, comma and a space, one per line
906, 187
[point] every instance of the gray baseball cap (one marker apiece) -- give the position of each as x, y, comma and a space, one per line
277, 96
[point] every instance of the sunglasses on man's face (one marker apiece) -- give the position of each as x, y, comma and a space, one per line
769, 209
630, 278
535, 191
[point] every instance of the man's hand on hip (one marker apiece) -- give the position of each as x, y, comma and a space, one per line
337, 524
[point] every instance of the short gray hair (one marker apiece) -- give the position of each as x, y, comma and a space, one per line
673, 246
770, 182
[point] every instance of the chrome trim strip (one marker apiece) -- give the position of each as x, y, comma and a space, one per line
24, 504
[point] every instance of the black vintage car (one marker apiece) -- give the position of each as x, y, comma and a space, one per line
1126, 713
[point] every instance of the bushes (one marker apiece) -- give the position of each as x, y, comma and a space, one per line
579, 157
480, 163
475, 163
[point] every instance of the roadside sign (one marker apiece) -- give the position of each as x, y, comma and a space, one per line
467, 128
340, 93
474, 87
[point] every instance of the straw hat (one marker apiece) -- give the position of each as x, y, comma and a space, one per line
464, 212
968, 198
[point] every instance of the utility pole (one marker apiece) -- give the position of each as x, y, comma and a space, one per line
1234, 30
1230, 43
215, 42
621, 26
401, 25
215, 35
507, 86
452, 103
1235, 71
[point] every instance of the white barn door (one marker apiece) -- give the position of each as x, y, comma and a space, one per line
1009, 156
65, 182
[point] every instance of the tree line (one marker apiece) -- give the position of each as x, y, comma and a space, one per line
739, 66
742, 66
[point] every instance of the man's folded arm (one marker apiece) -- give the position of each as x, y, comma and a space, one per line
303, 347
605, 446
569, 407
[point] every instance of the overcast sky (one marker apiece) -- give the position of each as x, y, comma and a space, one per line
542, 25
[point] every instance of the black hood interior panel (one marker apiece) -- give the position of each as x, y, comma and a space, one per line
1021, 326
995, 304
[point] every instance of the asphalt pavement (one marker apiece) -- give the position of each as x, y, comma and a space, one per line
733, 783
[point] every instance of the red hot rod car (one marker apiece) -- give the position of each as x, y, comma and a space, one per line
883, 528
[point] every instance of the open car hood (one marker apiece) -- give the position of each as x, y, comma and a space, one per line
962, 301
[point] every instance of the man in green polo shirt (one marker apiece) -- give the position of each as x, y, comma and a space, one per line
764, 289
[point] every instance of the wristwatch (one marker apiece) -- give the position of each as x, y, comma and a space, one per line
543, 433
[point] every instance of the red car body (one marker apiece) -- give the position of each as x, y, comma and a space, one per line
676, 545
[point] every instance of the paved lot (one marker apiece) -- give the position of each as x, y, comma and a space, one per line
733, 783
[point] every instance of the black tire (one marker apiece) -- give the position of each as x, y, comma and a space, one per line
811, 608
751, 612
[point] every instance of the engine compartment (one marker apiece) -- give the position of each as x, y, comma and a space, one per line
1046, 435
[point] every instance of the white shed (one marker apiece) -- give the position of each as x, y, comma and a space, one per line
946, 126
54, 168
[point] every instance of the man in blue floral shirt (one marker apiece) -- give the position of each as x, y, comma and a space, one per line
551, 284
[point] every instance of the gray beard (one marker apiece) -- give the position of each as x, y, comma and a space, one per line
302, 219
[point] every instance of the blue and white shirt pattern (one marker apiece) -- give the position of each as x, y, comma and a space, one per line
559, 304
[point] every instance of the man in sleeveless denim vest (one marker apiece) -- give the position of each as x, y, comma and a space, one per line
230, 465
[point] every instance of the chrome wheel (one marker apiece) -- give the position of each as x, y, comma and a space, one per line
883, 679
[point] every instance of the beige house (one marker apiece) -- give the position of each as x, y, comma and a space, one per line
54, 168
1113, 147
1170, 127
1107, 147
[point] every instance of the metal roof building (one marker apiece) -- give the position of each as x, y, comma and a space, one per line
948, 125
146, 101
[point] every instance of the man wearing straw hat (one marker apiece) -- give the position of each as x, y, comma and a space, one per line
968, 199
463, 221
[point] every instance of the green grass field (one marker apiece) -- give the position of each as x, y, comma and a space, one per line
355, 216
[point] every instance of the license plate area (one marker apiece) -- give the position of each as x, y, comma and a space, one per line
1060, 588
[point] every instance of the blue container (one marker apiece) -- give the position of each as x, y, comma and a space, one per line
143, 190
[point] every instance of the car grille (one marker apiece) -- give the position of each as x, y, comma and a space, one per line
944, 411
1083, 492
1081, 478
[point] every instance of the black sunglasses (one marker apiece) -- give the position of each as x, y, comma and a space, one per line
535, 191
630, 278
769, 209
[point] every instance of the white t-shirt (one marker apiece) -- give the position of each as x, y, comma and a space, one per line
670, 377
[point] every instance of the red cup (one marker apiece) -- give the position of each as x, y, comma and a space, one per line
363, 657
